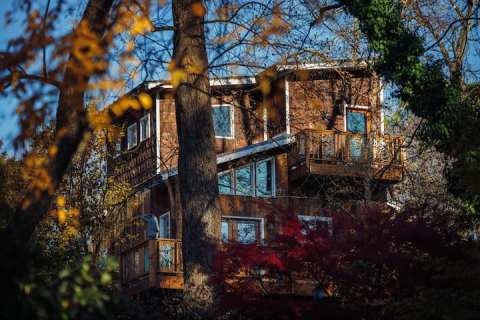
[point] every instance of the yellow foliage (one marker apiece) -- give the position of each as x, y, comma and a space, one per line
265, 86
62, 215
87, 50
52, 151
178, 76
98, 119
122, 105
198, 9
141, 25
36, 169
60, 201
145, 100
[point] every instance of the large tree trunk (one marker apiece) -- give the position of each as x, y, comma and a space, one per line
71, 127
197, 161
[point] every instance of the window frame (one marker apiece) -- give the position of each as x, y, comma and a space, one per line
169, 227
129, 128
147, 134
232, 121
261, 226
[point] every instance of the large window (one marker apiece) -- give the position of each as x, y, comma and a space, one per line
132, 136
253, 179
242, 229
223, 121
145, 127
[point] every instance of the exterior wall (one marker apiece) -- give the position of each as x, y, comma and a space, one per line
248, 127
319, 104
138, 164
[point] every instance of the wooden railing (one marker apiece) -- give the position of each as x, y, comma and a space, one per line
152, 263
334, 146
169, 255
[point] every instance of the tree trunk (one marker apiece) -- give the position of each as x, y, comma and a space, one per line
71, 127
197, 159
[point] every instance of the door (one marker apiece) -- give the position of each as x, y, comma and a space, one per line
357, 126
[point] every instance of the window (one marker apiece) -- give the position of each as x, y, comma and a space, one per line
136, 263
164, 225
356, 122
224, 231
132, 136
242, 229
225, 182
146, 259
145, 127
118, 149
264, 178
317, 223
223, 121
254, 179
244, 180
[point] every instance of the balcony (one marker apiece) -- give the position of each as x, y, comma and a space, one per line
334, 153
154, 263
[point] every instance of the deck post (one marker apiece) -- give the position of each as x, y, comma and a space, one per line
153, 256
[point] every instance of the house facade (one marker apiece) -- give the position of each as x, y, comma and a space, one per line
294, 139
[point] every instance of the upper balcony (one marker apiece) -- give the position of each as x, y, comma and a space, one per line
335, 153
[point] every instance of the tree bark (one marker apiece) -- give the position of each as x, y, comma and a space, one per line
197, 158
71, 126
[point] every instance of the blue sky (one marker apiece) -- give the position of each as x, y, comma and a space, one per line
8, 119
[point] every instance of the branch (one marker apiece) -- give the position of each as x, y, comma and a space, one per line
163, 28
450, 26
322, 11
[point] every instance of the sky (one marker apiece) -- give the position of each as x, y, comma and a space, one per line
8, 119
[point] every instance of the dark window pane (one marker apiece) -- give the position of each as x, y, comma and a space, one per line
224, 231
222, 121
356, 122
264, 178
244, 181
247, 232
225, 182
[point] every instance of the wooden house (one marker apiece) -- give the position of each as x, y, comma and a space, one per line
292, 138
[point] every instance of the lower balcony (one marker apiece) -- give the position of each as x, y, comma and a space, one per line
334, 153
154, 263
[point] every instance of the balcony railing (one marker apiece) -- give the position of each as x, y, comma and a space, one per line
345, 148
154, 263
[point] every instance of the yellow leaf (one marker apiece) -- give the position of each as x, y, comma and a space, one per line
141, 25
60, 201
178, 76
62, 215
198, 9
145, 100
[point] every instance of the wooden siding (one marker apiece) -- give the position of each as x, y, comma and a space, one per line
319, 104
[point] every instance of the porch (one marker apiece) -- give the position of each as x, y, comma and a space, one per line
335, 153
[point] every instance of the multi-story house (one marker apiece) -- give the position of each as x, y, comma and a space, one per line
292, 138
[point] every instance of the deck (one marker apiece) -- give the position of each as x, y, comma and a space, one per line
153, 263
334, 153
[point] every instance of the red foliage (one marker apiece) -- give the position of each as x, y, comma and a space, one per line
372, 255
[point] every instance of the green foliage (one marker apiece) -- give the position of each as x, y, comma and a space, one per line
449, 110
79, 292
